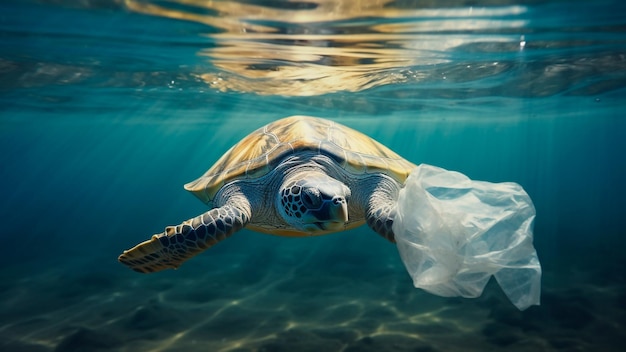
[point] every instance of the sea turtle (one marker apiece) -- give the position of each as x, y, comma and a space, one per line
298, 176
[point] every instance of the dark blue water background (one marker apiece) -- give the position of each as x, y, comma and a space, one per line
104, 115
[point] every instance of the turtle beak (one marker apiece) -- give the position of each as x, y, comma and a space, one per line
338, 211
342, 211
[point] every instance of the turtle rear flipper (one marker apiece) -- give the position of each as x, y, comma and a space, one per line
169, 249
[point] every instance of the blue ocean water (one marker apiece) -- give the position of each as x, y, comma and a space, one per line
108, 107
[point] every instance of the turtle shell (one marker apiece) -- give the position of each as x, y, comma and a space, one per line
262, 150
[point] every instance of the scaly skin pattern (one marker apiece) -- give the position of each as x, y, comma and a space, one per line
381, 220
176, 244
381, 207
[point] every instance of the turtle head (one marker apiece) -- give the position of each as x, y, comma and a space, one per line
314, 203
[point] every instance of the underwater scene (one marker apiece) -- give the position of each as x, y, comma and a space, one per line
109, 107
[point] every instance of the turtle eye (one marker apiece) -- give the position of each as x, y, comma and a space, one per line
311, 198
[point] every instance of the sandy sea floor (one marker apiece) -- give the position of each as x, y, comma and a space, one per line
293, 297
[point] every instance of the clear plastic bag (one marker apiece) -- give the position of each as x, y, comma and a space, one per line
453, 233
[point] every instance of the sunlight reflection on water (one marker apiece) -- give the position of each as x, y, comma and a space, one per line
321, 47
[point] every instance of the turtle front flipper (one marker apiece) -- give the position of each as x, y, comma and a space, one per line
176, 244
380, 220
381, 208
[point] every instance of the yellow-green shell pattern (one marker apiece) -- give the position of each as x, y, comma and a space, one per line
261, 151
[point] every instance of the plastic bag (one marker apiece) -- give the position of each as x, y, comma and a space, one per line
454, 233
